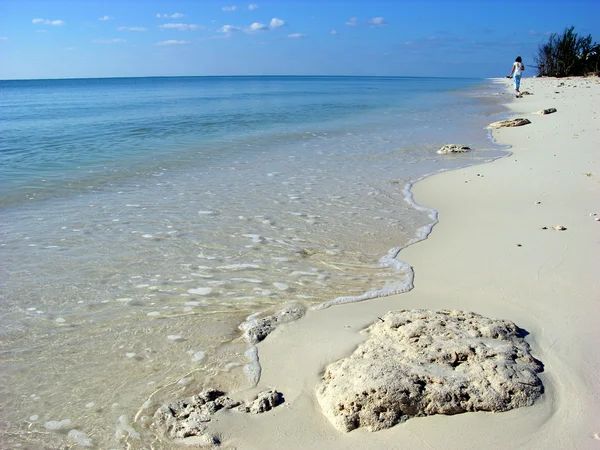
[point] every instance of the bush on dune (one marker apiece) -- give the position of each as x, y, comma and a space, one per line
568, 54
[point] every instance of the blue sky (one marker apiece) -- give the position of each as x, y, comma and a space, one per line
90, 38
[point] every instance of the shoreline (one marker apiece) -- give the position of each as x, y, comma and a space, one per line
488, 255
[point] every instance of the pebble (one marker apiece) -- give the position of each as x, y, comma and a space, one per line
90, 405
174, 337
80, 438
200, 291
198, 356
34, 417
60, 320
560, 228
130, 355
57, 425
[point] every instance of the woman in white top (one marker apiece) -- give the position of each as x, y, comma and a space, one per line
515, 73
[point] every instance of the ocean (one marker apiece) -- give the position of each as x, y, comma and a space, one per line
144, 219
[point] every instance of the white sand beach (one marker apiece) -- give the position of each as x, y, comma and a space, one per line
488, 254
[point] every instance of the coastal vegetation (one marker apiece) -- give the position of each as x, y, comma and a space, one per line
568, 54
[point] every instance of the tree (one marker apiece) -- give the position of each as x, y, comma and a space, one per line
567, 55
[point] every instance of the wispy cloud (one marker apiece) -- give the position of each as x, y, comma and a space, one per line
333, 33
229, 8
296, 35
108, 41
377, 22
170, 16
252, 6
132, 29
276, 23
55, 23
181, 26
352, 22
173, 42
228, 29
105, 18
258, 27
536, 33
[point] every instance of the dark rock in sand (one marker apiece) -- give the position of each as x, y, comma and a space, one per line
510, 123
546, 111
453, 148
420, 363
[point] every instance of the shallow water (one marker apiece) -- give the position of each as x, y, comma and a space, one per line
144, 219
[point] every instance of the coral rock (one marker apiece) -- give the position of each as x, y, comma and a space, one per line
510, 123
420, 363
546, 111
453, 148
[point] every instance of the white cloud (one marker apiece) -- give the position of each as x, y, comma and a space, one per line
228, 29
55, 23
352, 22
105, 18
170, 16
258, 27
377, 22
229, 8
108, 41
296, 35
276, 23
333, 33
173, 42
181, 26
252, 6
132, 29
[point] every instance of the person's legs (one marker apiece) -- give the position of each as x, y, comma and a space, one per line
517, 80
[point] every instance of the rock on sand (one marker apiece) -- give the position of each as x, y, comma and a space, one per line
420, 363
510, 123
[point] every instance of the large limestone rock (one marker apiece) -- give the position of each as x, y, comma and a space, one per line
420, 363
510, 123
453, 148
255, 330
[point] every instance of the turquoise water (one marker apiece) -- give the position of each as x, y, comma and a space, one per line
142, 220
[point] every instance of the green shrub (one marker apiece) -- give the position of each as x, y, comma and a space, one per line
567, 55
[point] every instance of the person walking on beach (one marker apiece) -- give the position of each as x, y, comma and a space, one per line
515, 73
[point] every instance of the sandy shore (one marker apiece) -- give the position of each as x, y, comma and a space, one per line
490, 255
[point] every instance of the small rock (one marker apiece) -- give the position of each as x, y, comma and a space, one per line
453, 148
510, 123
265, 401
597, 219
544, 228
546, 111
537, 203
255, 330
560, 228
519, 245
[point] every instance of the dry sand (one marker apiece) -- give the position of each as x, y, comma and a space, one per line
489, 254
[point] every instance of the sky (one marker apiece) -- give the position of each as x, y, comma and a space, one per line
130, 38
